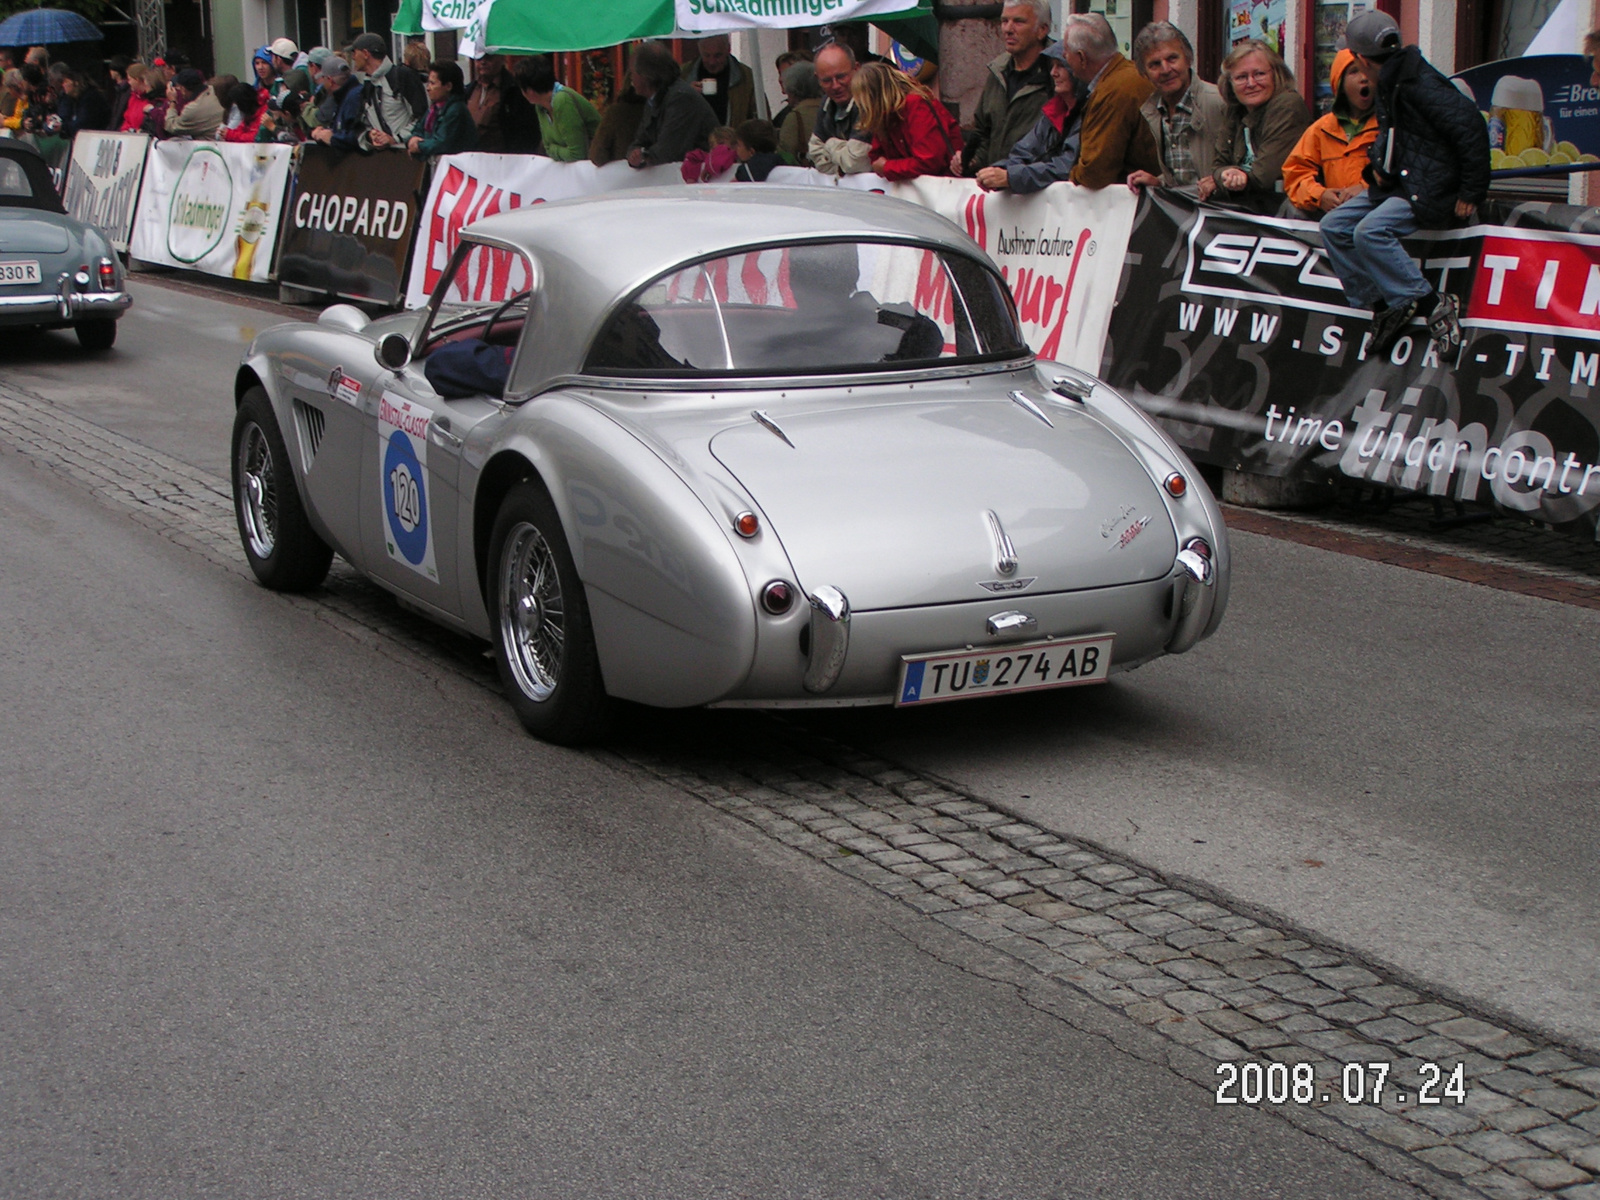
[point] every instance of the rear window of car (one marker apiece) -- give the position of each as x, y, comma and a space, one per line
14, 183
820, 307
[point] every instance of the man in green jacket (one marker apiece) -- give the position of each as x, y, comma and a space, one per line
446, 126
1017, 86
567, 121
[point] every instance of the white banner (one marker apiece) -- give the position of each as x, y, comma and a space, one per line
717, 16
103, 181
469, 187
212, 206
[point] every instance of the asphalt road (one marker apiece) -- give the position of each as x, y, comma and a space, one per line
1397, 763
285, 912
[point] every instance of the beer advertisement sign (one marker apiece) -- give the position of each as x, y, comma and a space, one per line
212, 206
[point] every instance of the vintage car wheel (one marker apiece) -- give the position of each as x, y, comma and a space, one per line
544, 643
96, 335
284, 551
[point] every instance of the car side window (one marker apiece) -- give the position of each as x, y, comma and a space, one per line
477, 321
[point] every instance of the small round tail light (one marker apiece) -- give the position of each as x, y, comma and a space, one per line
777, 597
1200, 546
747, 524
108, 274
1177, 486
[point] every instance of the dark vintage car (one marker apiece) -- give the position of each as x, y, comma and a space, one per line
55, 272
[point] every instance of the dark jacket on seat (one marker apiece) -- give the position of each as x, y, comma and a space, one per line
1433, 143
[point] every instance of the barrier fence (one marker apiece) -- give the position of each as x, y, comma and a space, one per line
1229, 328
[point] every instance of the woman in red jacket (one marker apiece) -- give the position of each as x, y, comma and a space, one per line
912, 133
251, 109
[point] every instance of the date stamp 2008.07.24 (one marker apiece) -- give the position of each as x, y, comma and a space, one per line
1359, 1083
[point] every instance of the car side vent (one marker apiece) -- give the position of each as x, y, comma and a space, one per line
311, 424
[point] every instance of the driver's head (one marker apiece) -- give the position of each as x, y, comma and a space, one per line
824, 274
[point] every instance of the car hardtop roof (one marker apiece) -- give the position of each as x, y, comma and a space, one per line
627, 237
18, 146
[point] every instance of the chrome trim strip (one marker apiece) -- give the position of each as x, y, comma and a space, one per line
1005, 561
1027, 402
830, 638
771, 426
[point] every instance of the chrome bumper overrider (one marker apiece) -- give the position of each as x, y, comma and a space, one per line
1197, 583
830, 638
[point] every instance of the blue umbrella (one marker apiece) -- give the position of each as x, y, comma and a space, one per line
46, 27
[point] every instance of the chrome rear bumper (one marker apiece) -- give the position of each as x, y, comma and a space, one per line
64, 305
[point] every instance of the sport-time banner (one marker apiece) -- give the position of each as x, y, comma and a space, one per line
212, 207
349, 223
469, 187
103, 182
1233, 329
716, 16
1060, 250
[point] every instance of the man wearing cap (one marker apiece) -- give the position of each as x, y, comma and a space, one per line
290, 77
347, 124
321, 110
1428, 168
392, 96
200, 113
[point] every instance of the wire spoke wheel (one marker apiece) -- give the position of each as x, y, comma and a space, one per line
533, 618
258, 494
285, 552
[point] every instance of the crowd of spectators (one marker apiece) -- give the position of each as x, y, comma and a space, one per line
1050, 111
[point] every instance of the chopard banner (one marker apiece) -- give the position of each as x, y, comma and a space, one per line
469, 187
1233, 329
349, 223
103, 182
211, 206
712, 16
1060, 250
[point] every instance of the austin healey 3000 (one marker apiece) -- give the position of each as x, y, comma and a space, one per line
732, 445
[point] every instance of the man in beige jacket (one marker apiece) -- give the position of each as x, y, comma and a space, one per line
202, 113
1186, 114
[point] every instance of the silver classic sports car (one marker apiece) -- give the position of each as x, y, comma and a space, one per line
727, 445
55, 272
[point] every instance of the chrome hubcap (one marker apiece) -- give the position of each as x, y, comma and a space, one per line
532, 615
258, 499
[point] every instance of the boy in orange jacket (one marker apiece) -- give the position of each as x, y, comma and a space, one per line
1324, 169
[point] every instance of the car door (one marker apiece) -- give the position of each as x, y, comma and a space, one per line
415, 524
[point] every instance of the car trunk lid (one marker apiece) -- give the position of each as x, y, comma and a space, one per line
32, 235
891, 502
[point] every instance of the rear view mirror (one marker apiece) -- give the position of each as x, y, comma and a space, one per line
394, 351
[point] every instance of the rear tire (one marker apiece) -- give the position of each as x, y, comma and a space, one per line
96, 335
284, 551
544, 642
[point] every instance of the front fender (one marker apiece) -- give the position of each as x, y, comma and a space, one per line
674, 619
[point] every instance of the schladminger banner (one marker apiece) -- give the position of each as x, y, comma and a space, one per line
714, 16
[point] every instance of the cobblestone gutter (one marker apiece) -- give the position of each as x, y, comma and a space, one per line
1521, 1119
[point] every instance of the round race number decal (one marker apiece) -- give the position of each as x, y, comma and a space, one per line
405, 498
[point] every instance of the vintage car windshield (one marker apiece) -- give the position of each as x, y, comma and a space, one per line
799, 310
